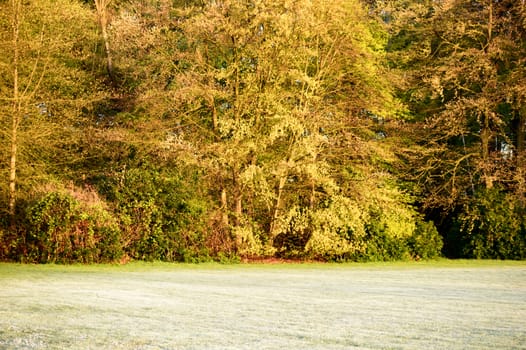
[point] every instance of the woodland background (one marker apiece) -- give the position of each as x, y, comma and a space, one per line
225, 129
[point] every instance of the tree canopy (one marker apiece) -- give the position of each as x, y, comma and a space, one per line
304, 129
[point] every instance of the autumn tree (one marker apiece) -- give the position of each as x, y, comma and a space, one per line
236, 128
280, 97
466, 90
43, 64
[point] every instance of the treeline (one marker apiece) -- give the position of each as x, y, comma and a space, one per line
308, 129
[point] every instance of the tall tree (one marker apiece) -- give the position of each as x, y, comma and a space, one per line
277, 87
16, 115
466, 95
472, 109
44, 66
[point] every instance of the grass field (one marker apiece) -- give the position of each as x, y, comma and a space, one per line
444, 305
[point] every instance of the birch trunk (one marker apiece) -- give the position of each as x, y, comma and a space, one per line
102, 14
15, 118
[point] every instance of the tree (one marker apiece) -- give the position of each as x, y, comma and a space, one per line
236, 127
471, 107
16, 109
275, 93
465, 94
43, 64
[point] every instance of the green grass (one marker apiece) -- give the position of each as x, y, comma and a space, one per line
426, 305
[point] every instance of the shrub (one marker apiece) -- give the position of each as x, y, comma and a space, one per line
61, 229
5, 243
294, 233
159, 215
141, 226
388, 229
426, 242
248, 240
219, 240
338, 230
492, 226
381, 246
343, 229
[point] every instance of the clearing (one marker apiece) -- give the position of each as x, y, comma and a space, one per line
435, 305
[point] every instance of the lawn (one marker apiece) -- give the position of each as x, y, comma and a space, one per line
444, 305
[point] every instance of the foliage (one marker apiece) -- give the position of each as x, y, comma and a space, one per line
338, 232
344, 230
50, 75
296, 129
158, 217
467, 78
466, 90
63, 230
426, 242
493, 226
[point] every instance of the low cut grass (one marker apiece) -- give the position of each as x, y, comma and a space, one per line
425, 305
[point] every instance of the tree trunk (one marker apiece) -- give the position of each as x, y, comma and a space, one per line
15, 118
211, 103
485, 132
277, 207
521, 130
312, 198
520, 173
102, 14
224, 207
12, 167
238, 196
485, 135
239, 208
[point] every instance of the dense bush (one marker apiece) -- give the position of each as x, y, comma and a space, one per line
338, 230
342, 230
9, 242
383, 247
492, 226
426, 242
159, 215
156, 215
61, 229
294, 233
